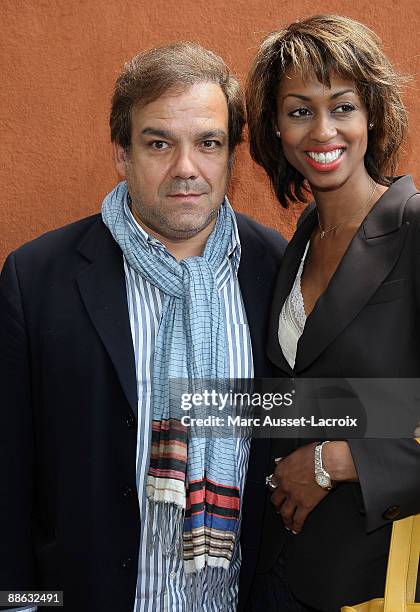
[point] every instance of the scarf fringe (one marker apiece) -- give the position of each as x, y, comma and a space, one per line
210, 583
165, 522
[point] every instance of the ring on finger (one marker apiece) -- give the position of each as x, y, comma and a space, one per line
271, 482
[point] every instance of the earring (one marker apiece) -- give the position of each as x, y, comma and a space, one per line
370, 125
278, 134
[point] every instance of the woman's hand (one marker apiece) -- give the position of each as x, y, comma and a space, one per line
298, 493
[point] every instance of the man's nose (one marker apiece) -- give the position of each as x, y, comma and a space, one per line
184, 164
323, 128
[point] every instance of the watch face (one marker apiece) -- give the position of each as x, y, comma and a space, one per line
323, 480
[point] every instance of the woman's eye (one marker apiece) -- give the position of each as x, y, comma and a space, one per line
300, 112
159, 145
344, 108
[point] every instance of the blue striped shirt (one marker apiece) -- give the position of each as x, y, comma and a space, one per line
161, 583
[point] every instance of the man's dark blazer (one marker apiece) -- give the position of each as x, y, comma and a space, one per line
69, 515
367, 325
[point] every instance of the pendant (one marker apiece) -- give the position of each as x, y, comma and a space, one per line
322, 234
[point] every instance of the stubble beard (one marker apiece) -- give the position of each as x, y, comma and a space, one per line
152, 218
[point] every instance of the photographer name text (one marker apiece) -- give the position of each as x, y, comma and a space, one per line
267, 421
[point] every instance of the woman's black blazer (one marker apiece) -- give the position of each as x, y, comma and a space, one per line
365, 325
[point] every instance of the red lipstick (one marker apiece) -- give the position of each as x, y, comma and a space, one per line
324, 167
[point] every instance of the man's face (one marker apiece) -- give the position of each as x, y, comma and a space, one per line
177, 165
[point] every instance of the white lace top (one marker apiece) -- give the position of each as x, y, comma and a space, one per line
292, 318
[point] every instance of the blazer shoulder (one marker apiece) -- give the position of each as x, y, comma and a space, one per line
412, 207
249, 230
56, 255
58, 241
402, 201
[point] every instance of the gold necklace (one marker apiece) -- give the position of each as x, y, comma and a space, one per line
324, 232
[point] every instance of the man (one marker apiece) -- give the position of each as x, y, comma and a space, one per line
95, 318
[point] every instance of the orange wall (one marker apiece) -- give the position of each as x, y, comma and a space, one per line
59, 60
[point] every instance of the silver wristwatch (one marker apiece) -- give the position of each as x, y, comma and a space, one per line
322, 477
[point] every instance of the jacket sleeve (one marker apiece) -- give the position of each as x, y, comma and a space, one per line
389, 476
16, 443
389, 470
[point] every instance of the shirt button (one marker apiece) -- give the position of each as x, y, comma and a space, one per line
172, 575
127, 492
130, 421
126, 564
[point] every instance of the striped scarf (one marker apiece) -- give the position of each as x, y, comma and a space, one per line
192, 484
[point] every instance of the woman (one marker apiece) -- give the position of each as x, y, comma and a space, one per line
325, 117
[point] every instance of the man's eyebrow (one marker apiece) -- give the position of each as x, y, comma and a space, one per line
216, 133
308, 99
151, 131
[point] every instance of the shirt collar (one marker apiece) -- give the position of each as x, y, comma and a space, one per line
234, 251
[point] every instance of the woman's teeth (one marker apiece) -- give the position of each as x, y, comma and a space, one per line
325, 158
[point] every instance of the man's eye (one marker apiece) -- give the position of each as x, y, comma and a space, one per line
344, 108
159, 145
300, 112
210, 144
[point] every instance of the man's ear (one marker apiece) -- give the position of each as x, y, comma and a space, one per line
120, 159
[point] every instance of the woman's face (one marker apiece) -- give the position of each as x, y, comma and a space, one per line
323, 130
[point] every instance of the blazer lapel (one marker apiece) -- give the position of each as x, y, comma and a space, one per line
255, 275
103, 291
287, 274
369, 259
